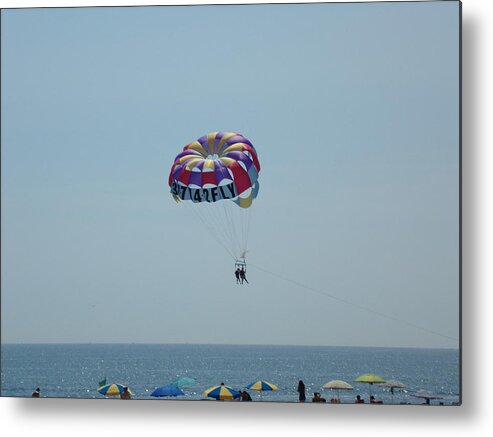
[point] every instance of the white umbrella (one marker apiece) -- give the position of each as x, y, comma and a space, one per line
337, 385
391, 385
427, 395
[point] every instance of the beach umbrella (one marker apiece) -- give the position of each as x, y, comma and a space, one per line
392, 385
182, 382
112, 389
262, 386
370, 379
425, 394
221, 392
167, 391
337, 385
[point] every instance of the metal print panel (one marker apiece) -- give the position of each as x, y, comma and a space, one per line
244, 203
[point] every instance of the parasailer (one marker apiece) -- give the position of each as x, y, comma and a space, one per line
217, 175
243, 275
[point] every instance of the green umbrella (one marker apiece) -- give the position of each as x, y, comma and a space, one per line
370, 379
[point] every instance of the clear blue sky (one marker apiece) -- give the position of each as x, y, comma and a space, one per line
354, 111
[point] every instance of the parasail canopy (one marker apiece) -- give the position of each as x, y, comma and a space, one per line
218, 166
215, 175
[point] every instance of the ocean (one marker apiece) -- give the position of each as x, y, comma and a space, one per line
74, 370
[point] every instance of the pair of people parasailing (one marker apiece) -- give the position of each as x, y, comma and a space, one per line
219, 168
241, 275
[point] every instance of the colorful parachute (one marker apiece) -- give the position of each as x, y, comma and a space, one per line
217, 166
213, 175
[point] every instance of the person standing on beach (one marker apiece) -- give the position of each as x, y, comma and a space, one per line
36, 393
237, 274
301, 391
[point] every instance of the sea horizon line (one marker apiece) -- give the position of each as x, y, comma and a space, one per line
108, 343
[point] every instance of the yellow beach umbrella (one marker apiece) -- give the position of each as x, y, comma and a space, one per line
221, 392
262, 386
112, 389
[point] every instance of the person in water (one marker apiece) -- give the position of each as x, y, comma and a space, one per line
36, 393
237, 274
243, 275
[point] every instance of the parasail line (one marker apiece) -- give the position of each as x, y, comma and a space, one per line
347, 302
212, 233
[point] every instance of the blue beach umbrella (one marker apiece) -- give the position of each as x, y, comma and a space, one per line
167, 391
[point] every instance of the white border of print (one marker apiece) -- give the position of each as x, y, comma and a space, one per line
57, 417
